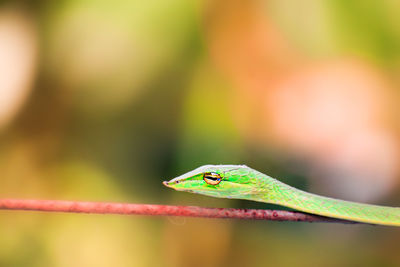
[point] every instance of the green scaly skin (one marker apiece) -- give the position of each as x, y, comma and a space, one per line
242, 182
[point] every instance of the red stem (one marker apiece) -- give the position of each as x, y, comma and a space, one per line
160, 210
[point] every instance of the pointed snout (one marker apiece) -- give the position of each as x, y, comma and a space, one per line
171, 183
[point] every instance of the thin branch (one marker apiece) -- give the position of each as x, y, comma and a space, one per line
160, 210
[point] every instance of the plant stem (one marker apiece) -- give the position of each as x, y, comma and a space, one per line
160, 210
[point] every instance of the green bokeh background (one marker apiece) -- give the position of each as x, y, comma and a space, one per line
127, 94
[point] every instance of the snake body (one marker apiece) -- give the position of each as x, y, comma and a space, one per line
242, 182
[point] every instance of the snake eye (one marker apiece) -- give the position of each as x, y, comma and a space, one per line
212, 178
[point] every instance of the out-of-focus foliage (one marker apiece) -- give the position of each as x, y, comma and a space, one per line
103, 100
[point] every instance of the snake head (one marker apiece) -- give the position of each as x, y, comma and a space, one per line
225, 181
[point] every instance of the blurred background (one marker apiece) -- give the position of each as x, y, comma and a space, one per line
103, 100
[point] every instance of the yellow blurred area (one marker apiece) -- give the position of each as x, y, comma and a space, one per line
102, 101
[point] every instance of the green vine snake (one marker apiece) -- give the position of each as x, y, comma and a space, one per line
242, 182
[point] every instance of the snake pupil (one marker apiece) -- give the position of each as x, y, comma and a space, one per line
212, 178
